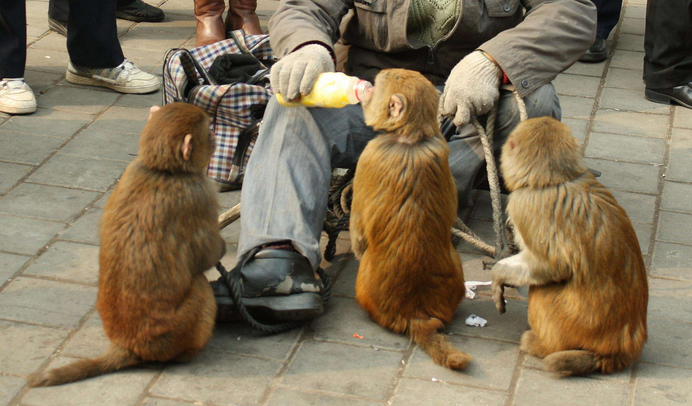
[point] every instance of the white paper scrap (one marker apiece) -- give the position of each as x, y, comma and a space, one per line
476, 321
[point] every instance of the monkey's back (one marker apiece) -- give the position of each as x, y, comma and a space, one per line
406, 198
581, 226
153, 232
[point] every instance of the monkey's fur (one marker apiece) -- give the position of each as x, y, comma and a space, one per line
579, 253
159, 233
410, 278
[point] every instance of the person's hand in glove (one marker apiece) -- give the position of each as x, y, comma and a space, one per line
296, 73
472, 89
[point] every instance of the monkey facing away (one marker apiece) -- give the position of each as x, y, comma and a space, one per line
588, 286
159, 233
410, 278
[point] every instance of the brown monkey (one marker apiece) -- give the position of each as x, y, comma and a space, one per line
579, 254
410, 278
159, 233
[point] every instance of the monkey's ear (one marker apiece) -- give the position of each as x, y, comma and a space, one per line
152, 110
187, 147
512, 144
397, 104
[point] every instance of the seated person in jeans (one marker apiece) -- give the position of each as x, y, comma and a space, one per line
468, 46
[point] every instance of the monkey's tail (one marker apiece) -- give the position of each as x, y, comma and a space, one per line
581, 362
424, 333
114, 359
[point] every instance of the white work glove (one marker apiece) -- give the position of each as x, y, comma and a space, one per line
472, 89
296, 73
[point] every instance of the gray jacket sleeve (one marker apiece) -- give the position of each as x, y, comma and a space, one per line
553, 35
297, 22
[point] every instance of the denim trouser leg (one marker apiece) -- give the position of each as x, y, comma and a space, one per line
287, 180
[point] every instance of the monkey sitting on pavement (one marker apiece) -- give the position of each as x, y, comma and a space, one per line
410, 278
159, 233
579, 253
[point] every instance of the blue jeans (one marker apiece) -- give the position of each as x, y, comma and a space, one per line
286, 184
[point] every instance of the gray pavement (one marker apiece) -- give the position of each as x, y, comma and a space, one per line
58, 165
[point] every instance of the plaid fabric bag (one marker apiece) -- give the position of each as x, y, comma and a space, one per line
236, 109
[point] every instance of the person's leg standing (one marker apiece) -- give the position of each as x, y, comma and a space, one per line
608, 16
668, 52
15, 96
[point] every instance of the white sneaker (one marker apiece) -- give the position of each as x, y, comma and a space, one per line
16, 97
124, 78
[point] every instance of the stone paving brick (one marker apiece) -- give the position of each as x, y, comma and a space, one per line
576, 107
53, 203
9, 387
675, 227
671, 300
90, 341
677, 197
414, 392
228, 200
345, 285
68, 261
635, 11
154, 38
26, 149
85, 229
672, 261
626, 176
46, 302
52, 123
586, 69
643, 232
628, 60
240, 338
682, 142
634, 26
626, 148
217, 378
343, 369
40, 81
577, 127
639, 208
47, 60
683, 117
122, 120
509, 326
26, 236
9, 265
484, 230
662, 386
284, 397
231, 234
631, 42
10, 174
78, 100
101, 203
543, 388
679, 167
145, 59
630, 100
669, 343
623, 122
140, 100
625, 79
165, 402
115, 146
122, 388
573, 85
344, 317
78, 172
38, 343
492, 365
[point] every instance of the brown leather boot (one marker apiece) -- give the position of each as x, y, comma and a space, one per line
241, 14
210, 26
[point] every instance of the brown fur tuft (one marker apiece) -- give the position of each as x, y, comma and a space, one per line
424, 333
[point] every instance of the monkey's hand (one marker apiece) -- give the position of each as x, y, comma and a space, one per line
296, 73
472, 89
499, 281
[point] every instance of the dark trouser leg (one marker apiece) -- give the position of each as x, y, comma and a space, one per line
92, 36
466, 156
58, 9
12, 38
668, 44
608, 15
123, 3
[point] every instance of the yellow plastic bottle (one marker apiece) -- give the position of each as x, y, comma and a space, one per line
333, 90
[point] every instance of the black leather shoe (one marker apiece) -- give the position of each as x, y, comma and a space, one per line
597, 53
140, 11
681, 95
278, 286
59, 27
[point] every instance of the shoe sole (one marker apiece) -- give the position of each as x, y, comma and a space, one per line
17, 110
594, 57
81, 80
129, 17
296, 307
663, 98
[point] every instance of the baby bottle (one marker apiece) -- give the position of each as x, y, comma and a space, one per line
332, 89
